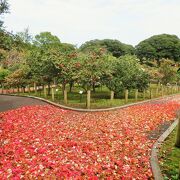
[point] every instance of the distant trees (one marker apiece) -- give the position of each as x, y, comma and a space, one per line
168, 72
158, 47
114, 47
44, 59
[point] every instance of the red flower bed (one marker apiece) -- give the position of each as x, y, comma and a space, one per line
44, 141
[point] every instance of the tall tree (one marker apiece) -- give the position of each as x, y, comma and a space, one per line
4, 7
94, 68
168, 72
45, 40
115, 47
158, 47
127, 74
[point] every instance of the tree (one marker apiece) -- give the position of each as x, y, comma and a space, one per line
3, 74
90, 46
42, 67
24, 39
117, 48
159, 47
4, 7
66, 47
45, 40
19, 78
114, 47
168, 72
94, 68
6, 44
66, 65
41, 59
128, 74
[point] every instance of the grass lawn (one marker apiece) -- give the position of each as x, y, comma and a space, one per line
100, 98
169, 157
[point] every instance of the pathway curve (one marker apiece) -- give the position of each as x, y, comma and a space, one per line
48, 142
13, 102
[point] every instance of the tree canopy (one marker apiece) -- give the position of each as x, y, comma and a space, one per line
115, 47
158, 47
4, 7
128, 74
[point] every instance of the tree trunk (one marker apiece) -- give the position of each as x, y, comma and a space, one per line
63, 86
49, 88
24, 89
94, 88
70, 86
88, 99
52, 90
35, 88
112, 95
65, 95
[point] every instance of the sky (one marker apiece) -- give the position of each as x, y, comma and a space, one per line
78, 21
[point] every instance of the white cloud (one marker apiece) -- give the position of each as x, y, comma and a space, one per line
76, 21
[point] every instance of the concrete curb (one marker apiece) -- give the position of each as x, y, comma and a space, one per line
154, 153
90, 110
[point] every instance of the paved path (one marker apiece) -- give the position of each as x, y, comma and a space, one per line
115, 144
13, 102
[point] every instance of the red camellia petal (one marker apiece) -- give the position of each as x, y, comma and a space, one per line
48, 142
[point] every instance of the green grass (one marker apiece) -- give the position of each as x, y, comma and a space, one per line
169, 157
99, 99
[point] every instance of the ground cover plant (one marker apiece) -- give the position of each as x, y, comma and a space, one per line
44, 141
169, 157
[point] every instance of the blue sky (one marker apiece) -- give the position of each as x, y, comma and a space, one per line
77, 21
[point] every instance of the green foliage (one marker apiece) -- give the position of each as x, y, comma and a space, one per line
90, 46
46, 40
66, 47
4, 7
6, 40
115, 47
19, 78
168, 72
3, 74
169, 157
128, 74
41, 65
41, 59
24, 39
158, 47
95, 68
67, 66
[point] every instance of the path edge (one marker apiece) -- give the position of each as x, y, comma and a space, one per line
155, 150
90, 110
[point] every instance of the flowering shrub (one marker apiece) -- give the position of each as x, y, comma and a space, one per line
44, 141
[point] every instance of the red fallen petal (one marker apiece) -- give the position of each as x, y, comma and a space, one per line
44, 141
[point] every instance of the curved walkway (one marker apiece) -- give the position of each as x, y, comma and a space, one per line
13, 102
50, 142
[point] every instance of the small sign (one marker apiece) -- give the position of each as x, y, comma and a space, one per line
80, 92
